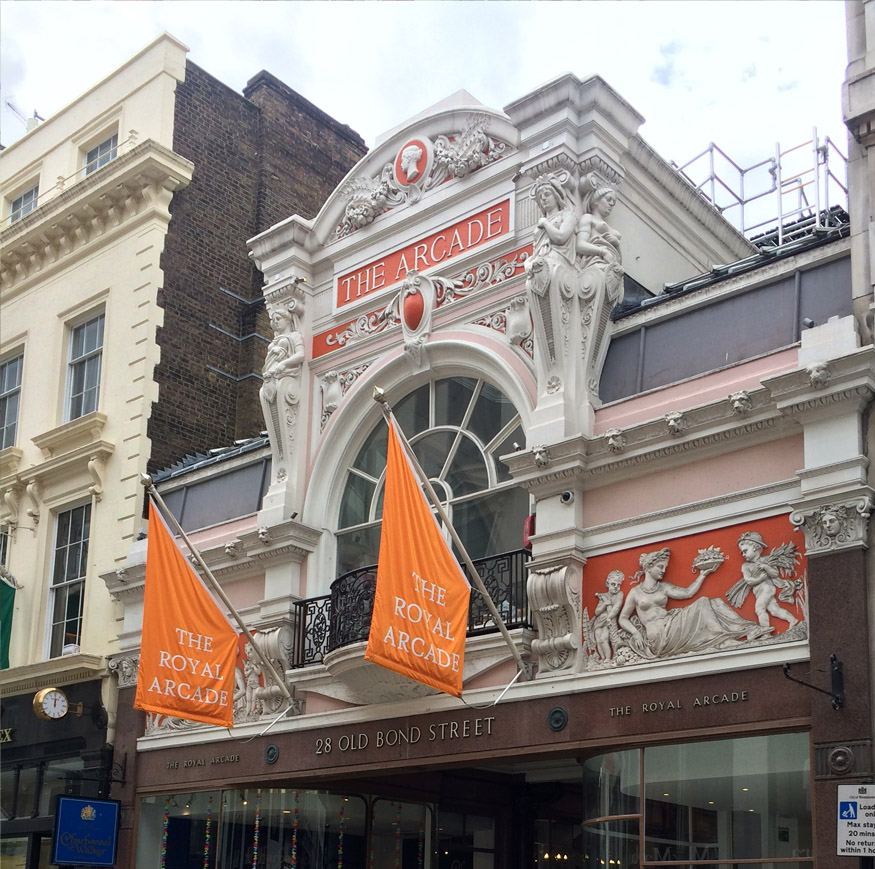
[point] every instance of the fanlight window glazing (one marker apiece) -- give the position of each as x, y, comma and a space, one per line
458, 428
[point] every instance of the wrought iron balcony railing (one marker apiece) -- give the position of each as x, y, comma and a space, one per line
333, 620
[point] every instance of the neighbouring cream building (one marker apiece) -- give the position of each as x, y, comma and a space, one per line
652, 436
114, 299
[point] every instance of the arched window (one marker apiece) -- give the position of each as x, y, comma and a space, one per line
458, 427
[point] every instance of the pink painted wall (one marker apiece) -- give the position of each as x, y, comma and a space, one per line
708, 478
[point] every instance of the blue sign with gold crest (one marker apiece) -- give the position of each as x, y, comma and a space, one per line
86, 832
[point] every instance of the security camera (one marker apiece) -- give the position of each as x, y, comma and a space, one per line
567, 497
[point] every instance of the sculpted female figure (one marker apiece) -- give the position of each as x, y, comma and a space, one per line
598, 245
281, 391
550, 272
706, 624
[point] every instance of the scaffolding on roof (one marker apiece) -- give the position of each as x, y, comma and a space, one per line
797, 187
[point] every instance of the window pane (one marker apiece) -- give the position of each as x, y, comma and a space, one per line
611, 843
23, 204
734, 799
492, 412
331, 830
432, 451
372, 456
513, 442
401, 835
13, 852
467, 473
8, 419
359, 548
611, 784
61, 777
451, 399
10, 396
356, 503
191, 821
412, 412
493, 523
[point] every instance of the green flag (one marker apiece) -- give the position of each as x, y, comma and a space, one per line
7, 605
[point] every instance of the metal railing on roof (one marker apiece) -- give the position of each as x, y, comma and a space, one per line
803, 181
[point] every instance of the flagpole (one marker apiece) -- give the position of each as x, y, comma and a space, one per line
146, 480
380, 398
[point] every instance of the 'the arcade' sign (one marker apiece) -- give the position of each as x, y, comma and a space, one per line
438, 247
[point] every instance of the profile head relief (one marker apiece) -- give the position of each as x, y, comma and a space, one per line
410, 158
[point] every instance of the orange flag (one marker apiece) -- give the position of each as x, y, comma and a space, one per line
421, 601
189, 648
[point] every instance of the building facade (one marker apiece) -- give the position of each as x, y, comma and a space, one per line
128, 300
651, 435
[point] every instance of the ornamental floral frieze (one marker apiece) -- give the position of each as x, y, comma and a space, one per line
739, 587
420, 165
335, 385
446, 292
514, 322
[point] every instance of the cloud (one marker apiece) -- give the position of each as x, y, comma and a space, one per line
666, 74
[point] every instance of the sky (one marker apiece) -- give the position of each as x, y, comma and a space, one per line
743, 74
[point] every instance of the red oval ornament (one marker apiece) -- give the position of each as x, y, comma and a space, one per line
414, 308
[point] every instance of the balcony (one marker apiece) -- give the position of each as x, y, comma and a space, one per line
343, 617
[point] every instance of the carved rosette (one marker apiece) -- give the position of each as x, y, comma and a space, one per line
554, 600
835, 527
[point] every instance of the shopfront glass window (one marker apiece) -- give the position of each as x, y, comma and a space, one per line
256, 829
458, 428
13, 852
466, 841
736, 799
61, 777
401, 835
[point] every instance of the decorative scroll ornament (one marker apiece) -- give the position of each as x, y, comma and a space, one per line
446, 291
419, 166
281, 392
834, 527
335, 385
554, 600
252, 697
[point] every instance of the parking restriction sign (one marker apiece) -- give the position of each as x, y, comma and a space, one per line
855, 833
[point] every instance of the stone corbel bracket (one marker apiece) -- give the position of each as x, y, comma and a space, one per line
11, 507
35, 496
554, 599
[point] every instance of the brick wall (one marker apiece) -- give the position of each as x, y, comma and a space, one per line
258, 158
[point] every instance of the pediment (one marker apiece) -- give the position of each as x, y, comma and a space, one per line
443, 146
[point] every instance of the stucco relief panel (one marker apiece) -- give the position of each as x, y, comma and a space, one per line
741, 586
